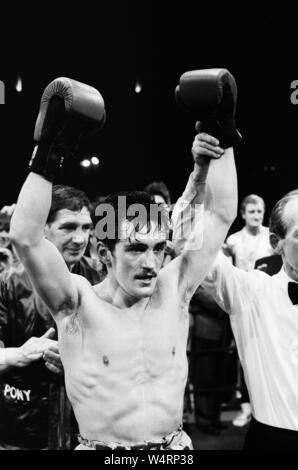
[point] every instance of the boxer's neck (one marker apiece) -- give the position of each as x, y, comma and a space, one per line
110, 291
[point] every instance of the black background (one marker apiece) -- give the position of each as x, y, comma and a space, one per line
146, 137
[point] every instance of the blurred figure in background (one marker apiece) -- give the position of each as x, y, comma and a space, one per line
252, 241
208, 340
6, 259
269, 264
161, 195
4, 229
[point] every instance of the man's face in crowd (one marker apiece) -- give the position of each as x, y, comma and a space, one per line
289, 244
69, 232
4, 239
253, 215
137, 259
158, 199
5, 262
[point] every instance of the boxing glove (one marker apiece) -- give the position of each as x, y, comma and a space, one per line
69, 113
211, 95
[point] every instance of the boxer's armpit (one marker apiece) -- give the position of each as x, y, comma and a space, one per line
72, 325
185, 300
66, 307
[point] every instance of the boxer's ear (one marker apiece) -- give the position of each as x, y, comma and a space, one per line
104, 253
276, 242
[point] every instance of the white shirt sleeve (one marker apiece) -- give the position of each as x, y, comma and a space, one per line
187, 220
232, 288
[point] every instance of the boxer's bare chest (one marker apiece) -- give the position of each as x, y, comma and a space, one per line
146, 340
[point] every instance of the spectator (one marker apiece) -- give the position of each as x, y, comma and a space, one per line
31, 387
252, 241
4, 230
6, 259
209, 336
161, 195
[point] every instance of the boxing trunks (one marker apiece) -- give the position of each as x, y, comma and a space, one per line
177, 440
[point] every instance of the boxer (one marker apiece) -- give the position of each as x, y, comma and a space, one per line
123, 342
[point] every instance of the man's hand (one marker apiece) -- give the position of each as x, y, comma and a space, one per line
52, 360
205, 147
34, 348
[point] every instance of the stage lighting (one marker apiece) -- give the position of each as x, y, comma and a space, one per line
95, 160
138, 87
85, 163
19, 85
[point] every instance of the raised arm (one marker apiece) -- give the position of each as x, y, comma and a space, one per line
68, 111
199, 254
41, 259
209, 227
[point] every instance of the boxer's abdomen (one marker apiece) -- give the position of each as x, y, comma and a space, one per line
126, 377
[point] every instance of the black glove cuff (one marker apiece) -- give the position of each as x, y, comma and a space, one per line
224, 131
47, 160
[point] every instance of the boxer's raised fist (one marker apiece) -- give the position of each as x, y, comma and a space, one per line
211, 94
205, 147
70, 112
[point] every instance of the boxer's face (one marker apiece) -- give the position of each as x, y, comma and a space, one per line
289, 245
70, 233
253, 214
137, 259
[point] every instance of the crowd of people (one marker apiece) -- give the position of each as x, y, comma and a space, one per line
93, 348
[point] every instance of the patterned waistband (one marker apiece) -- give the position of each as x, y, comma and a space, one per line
145, 445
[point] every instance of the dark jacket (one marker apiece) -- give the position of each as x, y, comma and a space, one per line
24, 392
270, 264
209, 319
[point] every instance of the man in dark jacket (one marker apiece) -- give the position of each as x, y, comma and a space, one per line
210, 334
34, 411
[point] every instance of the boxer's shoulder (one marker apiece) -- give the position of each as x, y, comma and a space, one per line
81, 284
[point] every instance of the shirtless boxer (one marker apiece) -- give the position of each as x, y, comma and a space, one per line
123, 342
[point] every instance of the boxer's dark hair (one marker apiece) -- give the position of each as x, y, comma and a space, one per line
277, 222
159, 187
135, 197
66, 197
251, 199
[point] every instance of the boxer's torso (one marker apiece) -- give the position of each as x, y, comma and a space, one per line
126, 369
